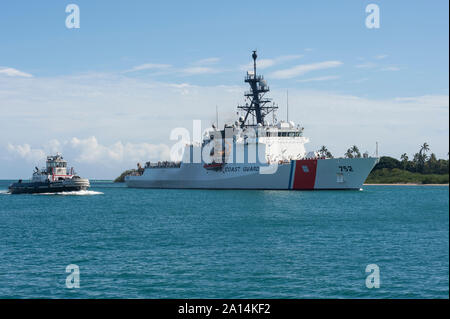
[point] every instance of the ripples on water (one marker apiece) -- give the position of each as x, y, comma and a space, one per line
138, 243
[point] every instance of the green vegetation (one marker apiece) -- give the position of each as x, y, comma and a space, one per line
422, 169
400, 176
121, 178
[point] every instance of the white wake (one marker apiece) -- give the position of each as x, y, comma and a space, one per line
74, 193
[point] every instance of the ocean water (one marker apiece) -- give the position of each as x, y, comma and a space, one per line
142, 243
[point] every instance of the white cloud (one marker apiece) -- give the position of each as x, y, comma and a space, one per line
267, 63
304, 68
368, 65
372, 65
319, 79
357, 81
89, 157
207, 61
391, 68
198, 67
181, 85
26, 152
89, 150
381, 56
199, 70
148, 66
426, 101
14, 72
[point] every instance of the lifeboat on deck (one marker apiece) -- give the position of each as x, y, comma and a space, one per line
213, 166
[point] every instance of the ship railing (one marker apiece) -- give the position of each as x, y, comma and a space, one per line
279, 162
261, 89
251, 76
135, 174
163, 164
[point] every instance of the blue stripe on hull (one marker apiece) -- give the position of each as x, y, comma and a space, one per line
291, 174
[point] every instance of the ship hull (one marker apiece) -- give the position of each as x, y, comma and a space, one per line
51, 187
308, 174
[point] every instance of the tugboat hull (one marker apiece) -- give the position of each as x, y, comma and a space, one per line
51, 187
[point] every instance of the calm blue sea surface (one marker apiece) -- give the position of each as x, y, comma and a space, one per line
136, 243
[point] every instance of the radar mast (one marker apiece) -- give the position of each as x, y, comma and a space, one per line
257, 105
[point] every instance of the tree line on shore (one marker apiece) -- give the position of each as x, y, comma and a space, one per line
420, 162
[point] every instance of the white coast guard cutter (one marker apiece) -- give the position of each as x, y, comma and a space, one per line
254, 154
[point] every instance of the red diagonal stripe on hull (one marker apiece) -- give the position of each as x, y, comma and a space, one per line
305, 174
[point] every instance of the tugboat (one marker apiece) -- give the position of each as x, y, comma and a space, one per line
54, 178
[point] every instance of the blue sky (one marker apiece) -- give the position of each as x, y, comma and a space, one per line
136, 69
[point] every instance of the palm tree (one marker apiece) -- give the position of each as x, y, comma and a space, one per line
324, 152
432, 164
420, 158
349, 153
424, 148
355, 150
432, 158
404, 157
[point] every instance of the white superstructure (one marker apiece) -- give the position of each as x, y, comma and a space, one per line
55, 169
